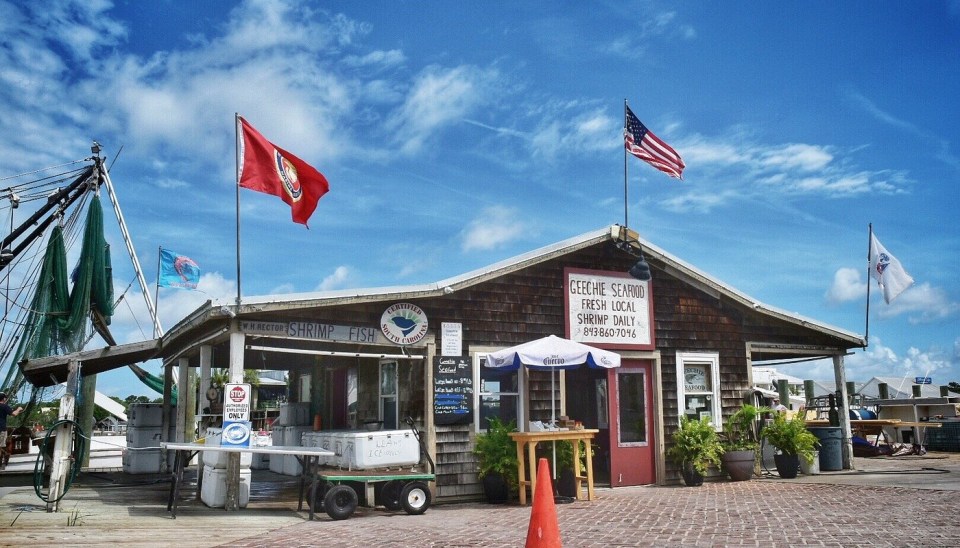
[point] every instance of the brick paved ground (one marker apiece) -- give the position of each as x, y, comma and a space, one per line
901, 501
751, 513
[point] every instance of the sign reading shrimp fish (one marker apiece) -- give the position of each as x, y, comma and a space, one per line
403, 324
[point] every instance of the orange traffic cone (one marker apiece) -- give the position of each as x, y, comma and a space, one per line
543, 532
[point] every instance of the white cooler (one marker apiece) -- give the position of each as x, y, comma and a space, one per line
276, 461
145, 414
292, 436
219, 459
144, 436
214, 490
380, 449
145, 461
294, 414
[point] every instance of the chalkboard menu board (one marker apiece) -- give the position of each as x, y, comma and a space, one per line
452, 390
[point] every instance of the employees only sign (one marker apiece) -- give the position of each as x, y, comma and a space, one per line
236, 402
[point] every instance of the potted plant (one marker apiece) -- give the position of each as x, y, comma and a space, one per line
696, 445
497, 464
741, 440
566, 475
793, 442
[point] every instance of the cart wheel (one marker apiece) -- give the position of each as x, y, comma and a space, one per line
340, 502
318, 498
390, 494
415, 498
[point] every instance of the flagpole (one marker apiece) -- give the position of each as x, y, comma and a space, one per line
236, 142
866, 334
156, 291
626, 224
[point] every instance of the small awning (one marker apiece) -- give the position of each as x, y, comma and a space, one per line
53, 369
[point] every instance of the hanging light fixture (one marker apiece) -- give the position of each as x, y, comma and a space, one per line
641, 270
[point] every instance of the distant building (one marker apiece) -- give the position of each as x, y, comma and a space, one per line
898, 387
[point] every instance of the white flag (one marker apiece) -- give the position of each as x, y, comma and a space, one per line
886, 269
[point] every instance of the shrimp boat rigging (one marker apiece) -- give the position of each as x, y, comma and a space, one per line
47, 310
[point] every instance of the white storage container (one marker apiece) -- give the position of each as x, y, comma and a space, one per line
293, 437
341, 443
380, 449
144, 414
144, 436
294, 414
219, 459
145, 461
316, 439
214, 490
276, 461
260, 461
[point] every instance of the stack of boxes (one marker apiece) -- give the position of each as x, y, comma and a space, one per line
214, 490
144, 433
288, 430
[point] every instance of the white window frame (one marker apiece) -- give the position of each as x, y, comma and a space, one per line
712, 362
478, 359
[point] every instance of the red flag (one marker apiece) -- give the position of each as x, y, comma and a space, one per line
269, 169
642, 143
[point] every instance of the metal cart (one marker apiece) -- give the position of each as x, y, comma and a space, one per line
338, 491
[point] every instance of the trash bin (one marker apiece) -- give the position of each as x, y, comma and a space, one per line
831, 447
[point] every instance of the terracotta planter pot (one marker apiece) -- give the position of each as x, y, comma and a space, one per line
739, 464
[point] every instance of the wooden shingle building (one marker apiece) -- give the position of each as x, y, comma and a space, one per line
687, 343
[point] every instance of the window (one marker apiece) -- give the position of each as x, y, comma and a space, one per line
388, 394
632, 415
698, 389
498, 394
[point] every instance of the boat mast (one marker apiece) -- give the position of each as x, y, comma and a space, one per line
157, 329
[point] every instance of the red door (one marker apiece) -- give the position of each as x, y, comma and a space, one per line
631, 424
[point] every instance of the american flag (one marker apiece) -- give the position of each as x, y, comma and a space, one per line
642, 143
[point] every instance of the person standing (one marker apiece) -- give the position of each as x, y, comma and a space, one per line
5, 411
777, 406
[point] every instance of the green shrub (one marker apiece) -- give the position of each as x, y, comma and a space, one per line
695, 444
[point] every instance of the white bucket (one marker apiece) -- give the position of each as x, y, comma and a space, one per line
813, 468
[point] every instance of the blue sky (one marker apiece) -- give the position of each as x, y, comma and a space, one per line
458, 134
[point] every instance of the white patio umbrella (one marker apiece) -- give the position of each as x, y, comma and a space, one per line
550, 354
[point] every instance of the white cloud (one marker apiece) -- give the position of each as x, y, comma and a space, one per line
700, 202
800, 156
922, 304
438, 98
496, 226
754, 170
337, 280
376, 59
847, 286
565, 133
132, 322
878, 360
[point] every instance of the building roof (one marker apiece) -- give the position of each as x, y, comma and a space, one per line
898, 387
614, 233
186, 330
